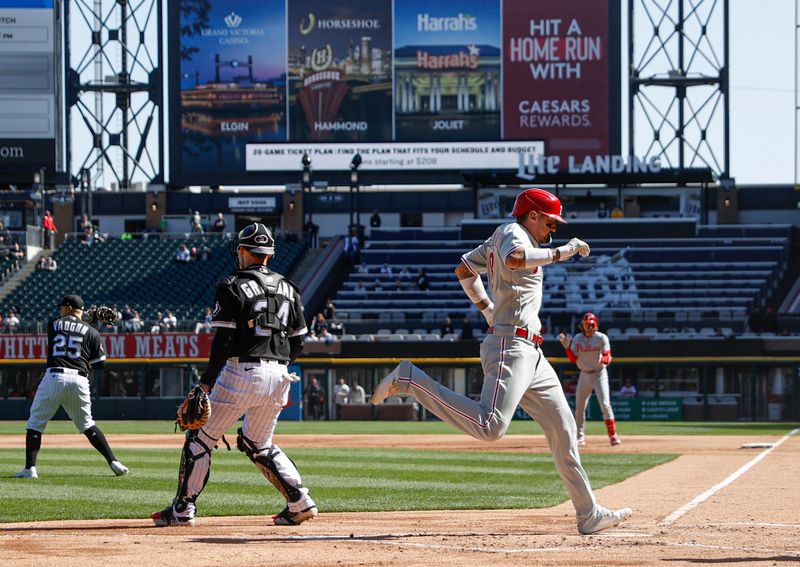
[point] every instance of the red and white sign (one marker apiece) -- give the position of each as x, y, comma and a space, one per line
127, 347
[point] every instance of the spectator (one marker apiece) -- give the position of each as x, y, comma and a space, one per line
326, 336
466, 330
360, 287
193, 254
85, 223
375, 220
770, 322
50, 264
399, 284
158, 321
386, 269
377, 286
340, 394
12, 322
422, 282
197, 222
352, 248
319, 324
50, 230
447, 327
17, 255
357, 394
183, 255
127, 318
602, 211
362, 268
315, 399
137, 322
405, 274
311, 337
628, 389
219, 225
169, 322
40, 265
204, 325
126, 237
755, 322
205, 254
616, 213
329, 310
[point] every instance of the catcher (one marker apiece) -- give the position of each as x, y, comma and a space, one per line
73, 347
259, 323
591, 350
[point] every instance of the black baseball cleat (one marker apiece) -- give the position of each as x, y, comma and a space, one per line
289, 518
167, 517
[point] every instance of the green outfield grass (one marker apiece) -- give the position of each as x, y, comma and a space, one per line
77, 484
519, 427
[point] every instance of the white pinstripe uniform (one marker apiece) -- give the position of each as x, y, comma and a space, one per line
515, 369
254, 386
594, 376
69, 338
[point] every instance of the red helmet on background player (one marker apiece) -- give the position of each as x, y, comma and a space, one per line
589, 321
540, 201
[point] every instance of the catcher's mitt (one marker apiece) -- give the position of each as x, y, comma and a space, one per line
195, 410
102, 314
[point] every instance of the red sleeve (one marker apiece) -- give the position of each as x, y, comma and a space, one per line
571, 355
606, 358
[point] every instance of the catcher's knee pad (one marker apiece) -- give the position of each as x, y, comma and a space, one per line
195, 467
279, 469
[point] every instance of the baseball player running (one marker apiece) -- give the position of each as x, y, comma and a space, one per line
73, 347
514, 367
258, 318
591, 350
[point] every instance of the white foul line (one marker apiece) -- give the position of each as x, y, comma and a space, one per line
672, 518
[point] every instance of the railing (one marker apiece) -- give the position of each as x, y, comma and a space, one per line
154, 235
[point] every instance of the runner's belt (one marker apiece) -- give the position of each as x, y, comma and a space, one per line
522, 332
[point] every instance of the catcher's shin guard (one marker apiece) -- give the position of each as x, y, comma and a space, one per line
195, 468
611, 427
279, 469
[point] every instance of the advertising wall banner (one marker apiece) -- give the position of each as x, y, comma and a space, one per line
340, 71
128, 346
556, 58
447, 70
232, 83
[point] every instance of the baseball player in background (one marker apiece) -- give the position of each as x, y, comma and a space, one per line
514, 367
259, 323
591, 350
73, 347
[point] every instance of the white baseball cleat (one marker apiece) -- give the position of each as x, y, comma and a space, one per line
27, 473
168, 517
602, 519
615, 440
388, 386
118, 468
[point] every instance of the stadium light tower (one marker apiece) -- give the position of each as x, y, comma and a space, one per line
354, 165
306, 183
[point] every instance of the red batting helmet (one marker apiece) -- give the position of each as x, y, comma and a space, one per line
540, 201
591, 319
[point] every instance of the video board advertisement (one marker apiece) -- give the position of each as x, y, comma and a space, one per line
447, 70
410, 85
556, 68
340, 70
232, 85
27, 85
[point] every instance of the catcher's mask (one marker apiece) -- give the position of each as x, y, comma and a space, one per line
589, 321
540, 201
255, 238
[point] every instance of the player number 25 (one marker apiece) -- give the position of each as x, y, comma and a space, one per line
67, 346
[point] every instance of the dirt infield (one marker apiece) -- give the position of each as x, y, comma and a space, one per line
716, 503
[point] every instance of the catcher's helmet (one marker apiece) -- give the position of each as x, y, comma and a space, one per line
255, 238
590, 319
540, 201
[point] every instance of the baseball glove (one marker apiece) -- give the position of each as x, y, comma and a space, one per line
195, 410
102, 314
